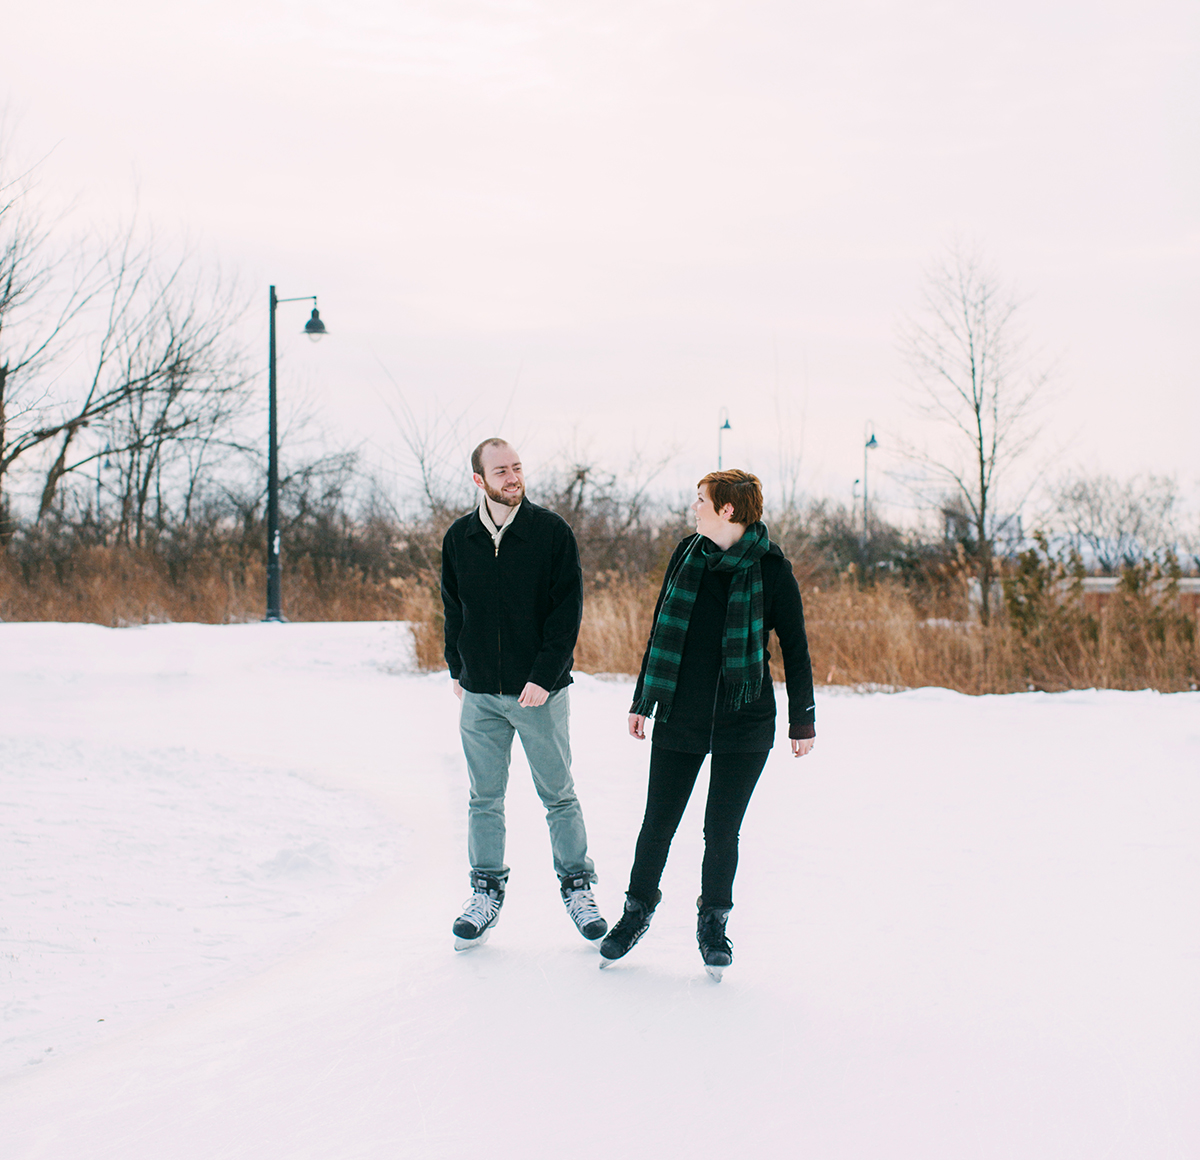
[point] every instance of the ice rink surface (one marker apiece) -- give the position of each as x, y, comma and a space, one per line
966, 928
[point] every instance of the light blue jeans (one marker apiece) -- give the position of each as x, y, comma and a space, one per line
487, 724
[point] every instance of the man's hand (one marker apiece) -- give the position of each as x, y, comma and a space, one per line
457, 689
802, 745
637, 726
532, 696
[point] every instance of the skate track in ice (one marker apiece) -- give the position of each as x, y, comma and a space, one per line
966, 928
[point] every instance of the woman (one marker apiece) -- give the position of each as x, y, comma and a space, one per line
706, 681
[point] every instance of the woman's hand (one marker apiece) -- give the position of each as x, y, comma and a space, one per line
802, 745
637, 726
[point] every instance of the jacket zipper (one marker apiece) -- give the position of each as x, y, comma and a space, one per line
499, 642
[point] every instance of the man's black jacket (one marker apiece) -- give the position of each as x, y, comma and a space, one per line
513, 612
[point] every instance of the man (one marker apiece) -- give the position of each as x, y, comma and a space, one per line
513, 593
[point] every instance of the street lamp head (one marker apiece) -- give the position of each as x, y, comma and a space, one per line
872, 443
725, 426
314, 327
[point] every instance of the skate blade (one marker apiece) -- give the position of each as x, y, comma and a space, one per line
714, 973
469, 944
606, 963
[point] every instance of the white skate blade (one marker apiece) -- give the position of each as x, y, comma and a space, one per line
714, 973
606, 963
469, 944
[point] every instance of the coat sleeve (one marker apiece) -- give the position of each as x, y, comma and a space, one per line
676, 556
561, 628
793, 645
451, 605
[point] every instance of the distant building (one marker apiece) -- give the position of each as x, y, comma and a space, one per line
1098, 590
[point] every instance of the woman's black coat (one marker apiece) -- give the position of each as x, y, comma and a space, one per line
699, 721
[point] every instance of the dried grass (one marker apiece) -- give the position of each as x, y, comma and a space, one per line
616, 623
117, 587
879, 636
422, 602
860, 636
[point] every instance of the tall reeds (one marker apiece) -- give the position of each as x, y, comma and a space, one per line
882, 635
877, 635
616, 623
122, 586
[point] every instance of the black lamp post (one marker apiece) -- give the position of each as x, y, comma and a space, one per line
869, 444
314, 328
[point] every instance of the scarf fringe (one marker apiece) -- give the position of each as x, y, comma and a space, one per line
644, 707
742, 695
735, 699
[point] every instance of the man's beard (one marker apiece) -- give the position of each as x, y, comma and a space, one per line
501, 498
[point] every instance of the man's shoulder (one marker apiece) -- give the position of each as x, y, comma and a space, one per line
463, 524
541, 521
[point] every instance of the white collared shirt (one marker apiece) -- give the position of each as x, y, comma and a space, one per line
497, 533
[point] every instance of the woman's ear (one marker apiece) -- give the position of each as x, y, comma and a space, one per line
726, 513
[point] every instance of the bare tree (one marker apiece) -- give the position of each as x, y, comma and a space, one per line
434, 469
972, 376
180, 383
94, 334
1116, 524
616, 519
41, 295
789, 443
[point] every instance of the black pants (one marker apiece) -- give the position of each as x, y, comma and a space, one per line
732, 778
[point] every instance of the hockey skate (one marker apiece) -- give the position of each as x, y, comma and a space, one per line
715, 948
630, 927
581, 906
480, 912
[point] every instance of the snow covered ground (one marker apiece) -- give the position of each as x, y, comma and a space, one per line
966, 928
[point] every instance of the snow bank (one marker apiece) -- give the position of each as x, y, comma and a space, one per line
964, 927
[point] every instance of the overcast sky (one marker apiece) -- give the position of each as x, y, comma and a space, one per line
593, 225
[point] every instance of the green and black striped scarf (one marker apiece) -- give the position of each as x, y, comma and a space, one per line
741, 646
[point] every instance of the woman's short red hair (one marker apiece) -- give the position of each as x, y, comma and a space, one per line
739, 488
